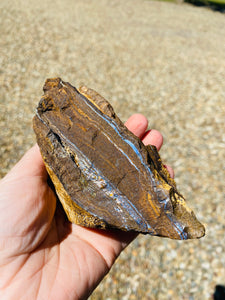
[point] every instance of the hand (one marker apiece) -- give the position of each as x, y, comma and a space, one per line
43, 255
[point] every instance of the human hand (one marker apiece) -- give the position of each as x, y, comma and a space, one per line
43, 255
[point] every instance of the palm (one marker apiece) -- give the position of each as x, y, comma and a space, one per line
39, 249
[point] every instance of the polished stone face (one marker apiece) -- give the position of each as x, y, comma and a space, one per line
104, 175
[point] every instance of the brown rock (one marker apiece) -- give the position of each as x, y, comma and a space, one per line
104, 175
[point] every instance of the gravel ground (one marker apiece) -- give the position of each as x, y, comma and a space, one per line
164, 60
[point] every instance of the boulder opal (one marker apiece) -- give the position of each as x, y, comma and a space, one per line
104, 176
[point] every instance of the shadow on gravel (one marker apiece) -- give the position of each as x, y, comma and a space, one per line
219, 293
214, 5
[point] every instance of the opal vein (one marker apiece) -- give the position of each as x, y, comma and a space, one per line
177, 226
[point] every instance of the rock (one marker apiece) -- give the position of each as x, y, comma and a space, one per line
104, 176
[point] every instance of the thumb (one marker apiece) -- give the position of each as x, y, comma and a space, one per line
31, 164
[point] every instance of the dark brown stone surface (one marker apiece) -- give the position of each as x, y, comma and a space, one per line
104, 175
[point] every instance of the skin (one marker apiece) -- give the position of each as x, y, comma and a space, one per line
43, 255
